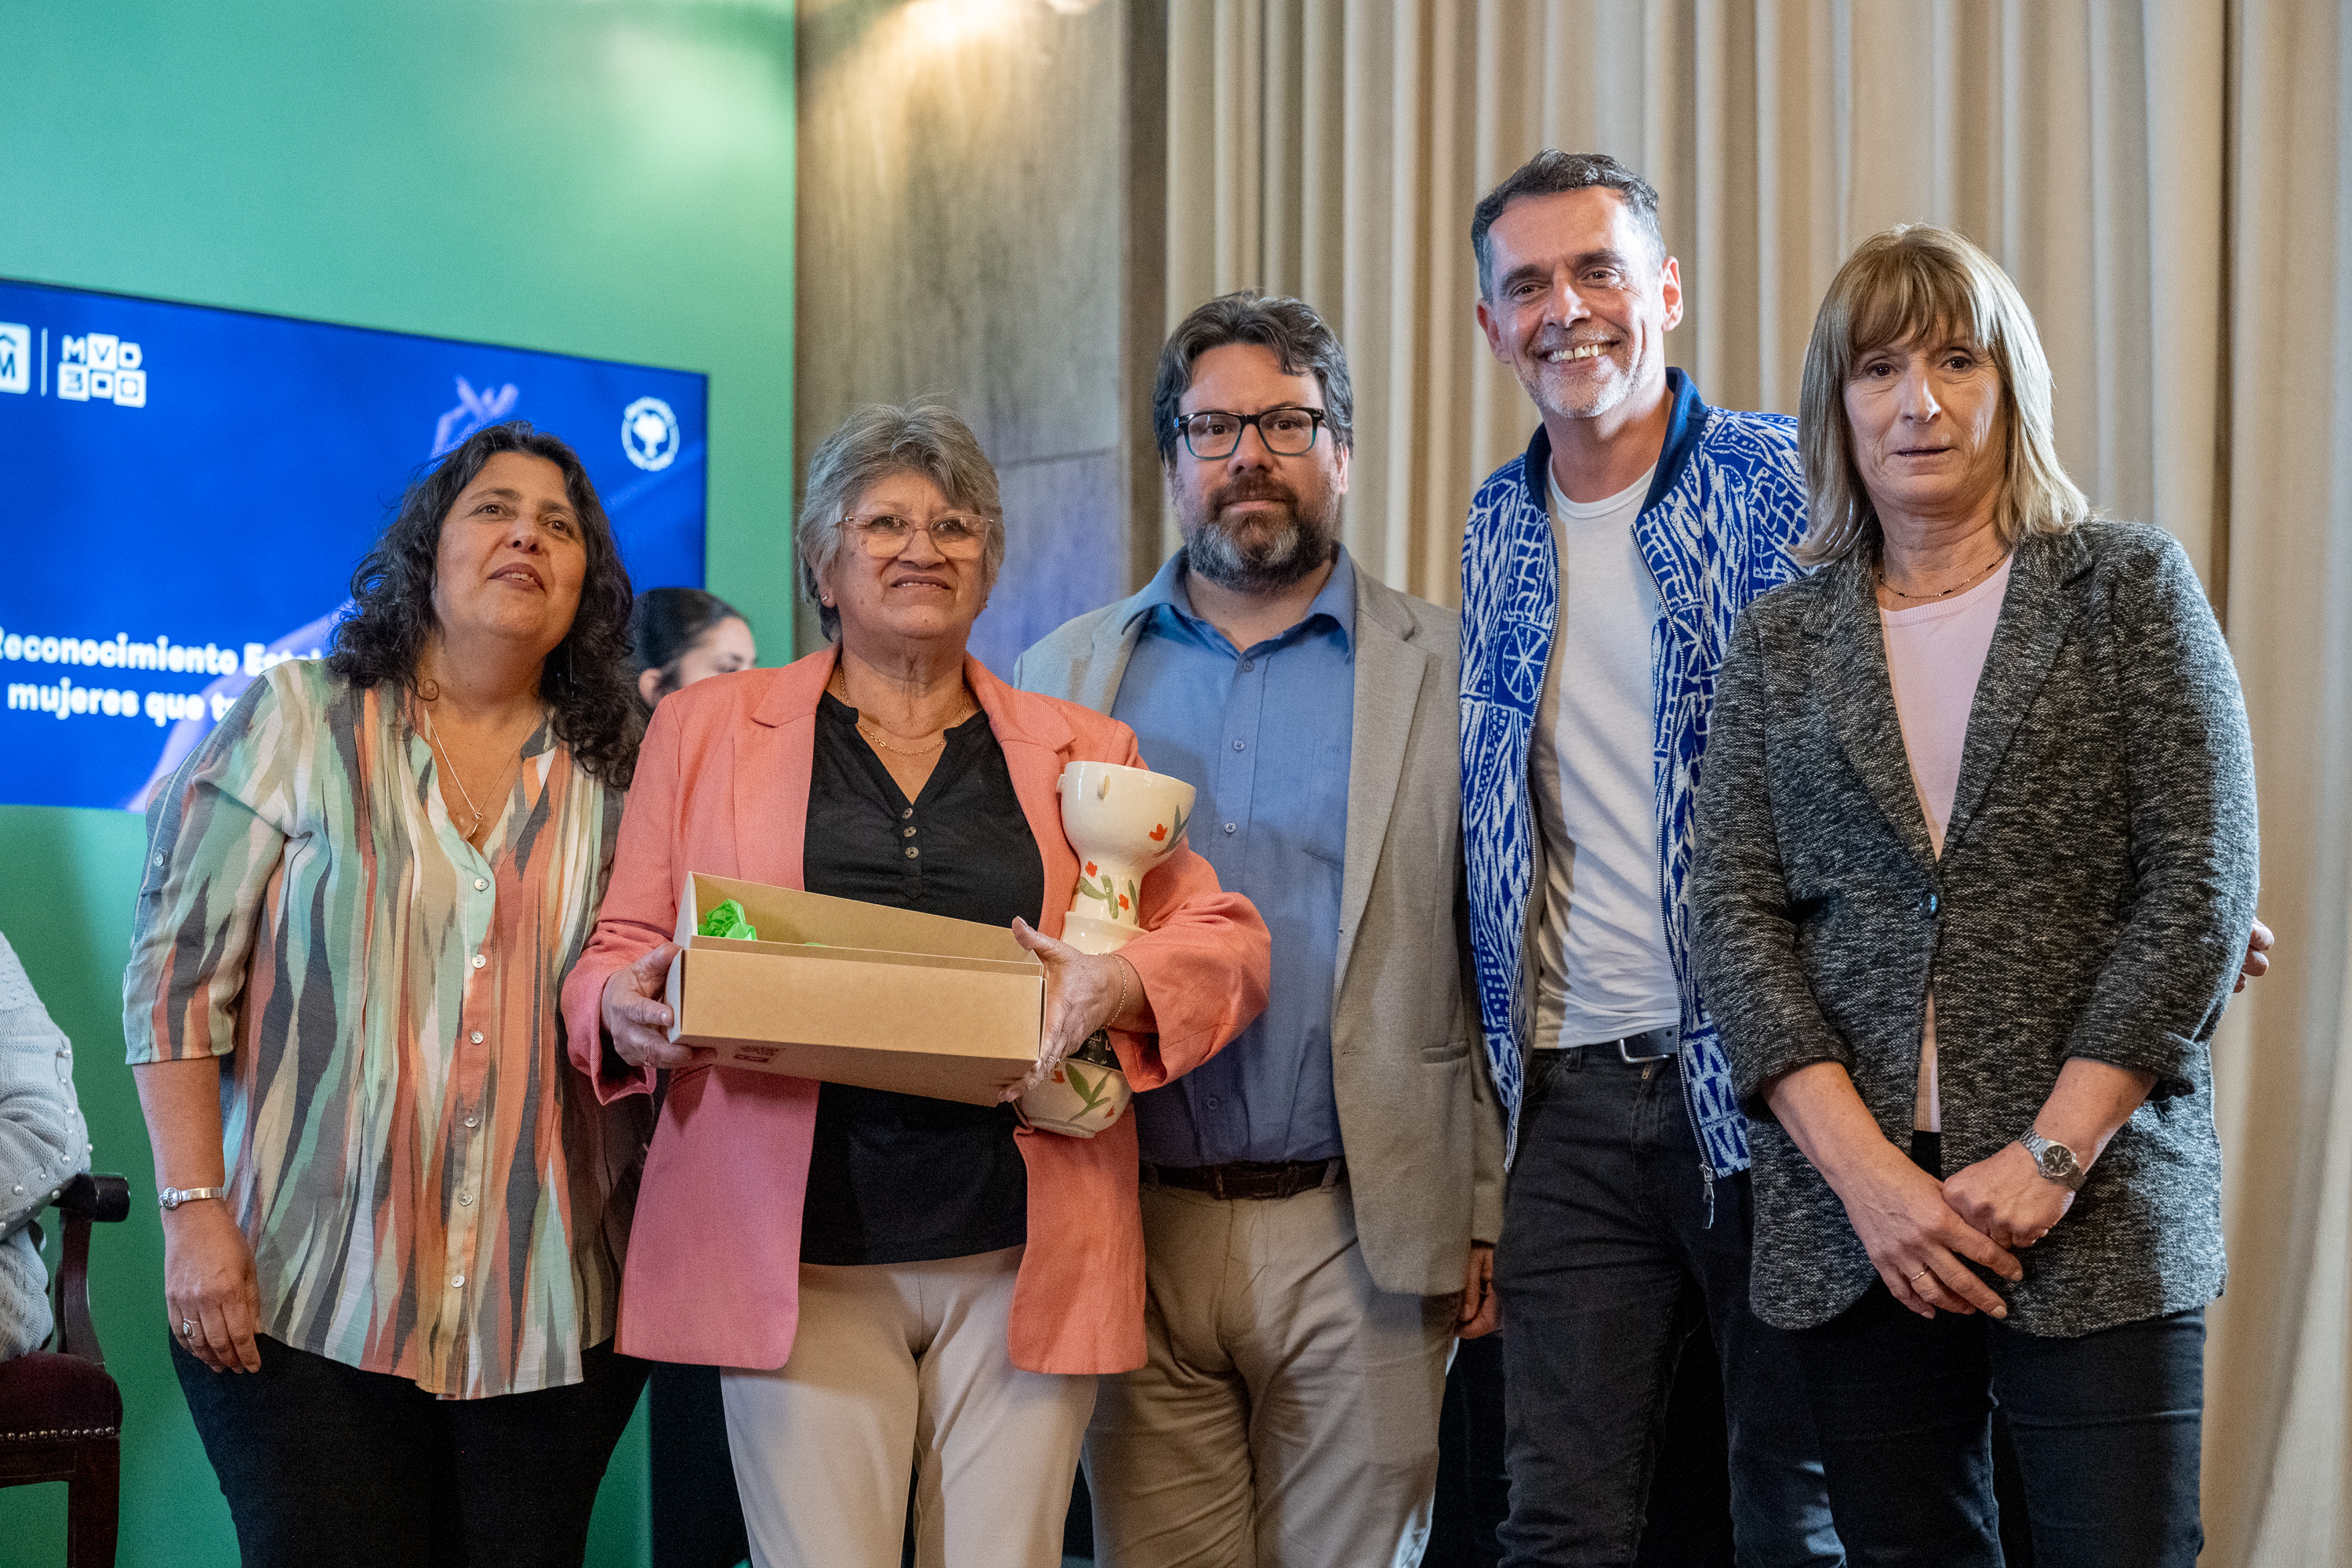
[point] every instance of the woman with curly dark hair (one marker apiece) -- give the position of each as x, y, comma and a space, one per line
393, 1212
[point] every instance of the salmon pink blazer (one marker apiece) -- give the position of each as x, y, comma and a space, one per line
712, 1272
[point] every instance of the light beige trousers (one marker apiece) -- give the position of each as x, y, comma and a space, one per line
1287, 1417
900, 1369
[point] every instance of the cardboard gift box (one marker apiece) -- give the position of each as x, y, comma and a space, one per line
854, 993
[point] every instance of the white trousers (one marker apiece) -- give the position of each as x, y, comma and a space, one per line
900, 1369
1288, 1415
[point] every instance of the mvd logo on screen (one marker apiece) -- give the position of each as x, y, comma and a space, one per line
94, 367
103, 367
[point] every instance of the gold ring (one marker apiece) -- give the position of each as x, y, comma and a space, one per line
1921, 1275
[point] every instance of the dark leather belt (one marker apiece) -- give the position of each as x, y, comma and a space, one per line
1633, 1050
1252, 1178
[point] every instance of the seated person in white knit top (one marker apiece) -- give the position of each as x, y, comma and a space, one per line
43, 1143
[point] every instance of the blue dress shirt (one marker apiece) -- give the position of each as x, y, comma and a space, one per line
1276, 833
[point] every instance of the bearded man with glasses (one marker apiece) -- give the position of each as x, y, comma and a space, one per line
1320, 1201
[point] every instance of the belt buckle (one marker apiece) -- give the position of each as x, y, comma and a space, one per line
1629, 1059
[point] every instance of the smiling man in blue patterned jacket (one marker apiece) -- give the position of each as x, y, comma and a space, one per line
1601, 574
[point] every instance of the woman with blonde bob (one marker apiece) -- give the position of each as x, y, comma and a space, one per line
1976, 867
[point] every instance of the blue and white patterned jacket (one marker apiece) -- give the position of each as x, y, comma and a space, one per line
1717, 529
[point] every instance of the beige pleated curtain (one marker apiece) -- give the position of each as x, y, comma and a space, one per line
2167, 183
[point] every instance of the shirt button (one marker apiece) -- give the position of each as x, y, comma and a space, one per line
905, 814
1215, 1103
476, 1037
464, 1197
912, 852
1229, 827
472, 1120
1241, 746
479, 961
906, 833
1248, 665
480, 883
457, 1281
159, 860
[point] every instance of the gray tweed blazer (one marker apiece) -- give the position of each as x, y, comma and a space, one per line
2094, 900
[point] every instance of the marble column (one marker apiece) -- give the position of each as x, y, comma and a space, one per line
966, 229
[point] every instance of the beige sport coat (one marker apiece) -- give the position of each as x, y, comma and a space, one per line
1418, 1117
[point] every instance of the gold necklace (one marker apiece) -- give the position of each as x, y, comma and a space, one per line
1947, 593
874, 735
432, 738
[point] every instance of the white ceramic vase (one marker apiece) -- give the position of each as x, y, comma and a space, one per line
1122, 822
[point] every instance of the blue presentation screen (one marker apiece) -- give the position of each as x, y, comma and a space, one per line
184, 491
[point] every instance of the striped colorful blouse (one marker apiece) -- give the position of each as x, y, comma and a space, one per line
430, 1187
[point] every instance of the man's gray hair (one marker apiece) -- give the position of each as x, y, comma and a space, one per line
1290, 328
1551, 171
872, 443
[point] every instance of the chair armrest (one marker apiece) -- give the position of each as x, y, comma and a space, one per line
87, 1198
101, 1197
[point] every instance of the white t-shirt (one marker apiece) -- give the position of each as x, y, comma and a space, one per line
1935, 654
1604, 971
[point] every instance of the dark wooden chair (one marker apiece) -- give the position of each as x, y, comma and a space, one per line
60, 1412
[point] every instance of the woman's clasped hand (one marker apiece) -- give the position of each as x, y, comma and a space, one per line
1922, 1245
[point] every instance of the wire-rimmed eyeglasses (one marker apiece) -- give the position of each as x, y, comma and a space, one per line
956, 535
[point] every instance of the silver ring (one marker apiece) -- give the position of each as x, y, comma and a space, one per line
187, 1328
1921, 1275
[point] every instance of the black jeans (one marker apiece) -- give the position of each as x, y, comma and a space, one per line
1612, 1257
324, 1463
2106, 1429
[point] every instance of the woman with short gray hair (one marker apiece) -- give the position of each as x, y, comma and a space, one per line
893, 1283
1976, 869
876, 443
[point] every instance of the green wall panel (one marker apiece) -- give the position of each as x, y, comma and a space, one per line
612, 179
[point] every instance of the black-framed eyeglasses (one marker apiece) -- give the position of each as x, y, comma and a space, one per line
1213, 433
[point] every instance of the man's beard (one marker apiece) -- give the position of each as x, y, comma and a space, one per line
1583, 399
1277, 553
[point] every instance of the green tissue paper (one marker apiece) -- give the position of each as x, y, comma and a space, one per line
728, 921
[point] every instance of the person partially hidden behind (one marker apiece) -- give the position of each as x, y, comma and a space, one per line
680, 635
1985, 1161
394, 1212
43, 1144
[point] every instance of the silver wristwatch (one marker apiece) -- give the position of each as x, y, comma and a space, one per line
2057, 1160
172, 1197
